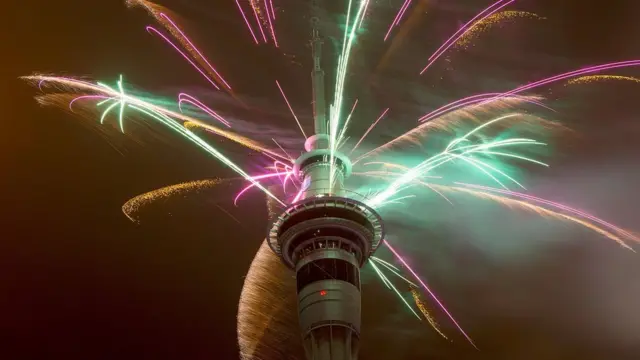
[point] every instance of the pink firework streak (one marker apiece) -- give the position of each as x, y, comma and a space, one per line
298, 196
556, 205
300, 192
291, 109
255, 12
186, 98
567, 75
246, 21
283, 150
398, 17
433, 296
288, 178
463, 30
276, 167
403, 11
479, 98
151, 29
202, 57
273, 31
284, 183
273, 12
253, 184
370, 128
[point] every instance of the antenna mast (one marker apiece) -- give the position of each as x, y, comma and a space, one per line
317, 74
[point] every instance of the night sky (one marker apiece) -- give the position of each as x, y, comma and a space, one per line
79, 281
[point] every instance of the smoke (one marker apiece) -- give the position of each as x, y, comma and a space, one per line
523, 286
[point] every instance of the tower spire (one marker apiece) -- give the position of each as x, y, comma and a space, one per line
317, 74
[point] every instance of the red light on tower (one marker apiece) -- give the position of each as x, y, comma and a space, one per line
323, 292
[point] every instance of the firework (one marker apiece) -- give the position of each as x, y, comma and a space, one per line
134, 206
286, 174
480, 100
492, 21
454, 151
186, 98
398, 18
264, 310
270, 14
567, 76
265, 16
465, 29
155, 112
424, 286
291, 109
160, 14
246, 21
412, 20
598, 78
469, 110
610, 233
388, 283
335, 110
425, 311
67, 85
475, 128
369, 129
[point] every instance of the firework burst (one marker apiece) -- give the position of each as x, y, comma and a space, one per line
485, 133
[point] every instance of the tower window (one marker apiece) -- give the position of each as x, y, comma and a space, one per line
328, 269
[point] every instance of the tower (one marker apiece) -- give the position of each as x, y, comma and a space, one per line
326, 237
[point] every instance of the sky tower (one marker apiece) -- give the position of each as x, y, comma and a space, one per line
326, 236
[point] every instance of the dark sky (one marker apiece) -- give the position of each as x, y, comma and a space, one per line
79, 281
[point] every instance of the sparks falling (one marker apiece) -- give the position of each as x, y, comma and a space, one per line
494, 20
599, 78
133, 207
425, 311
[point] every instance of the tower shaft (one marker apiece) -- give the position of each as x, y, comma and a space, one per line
328, 283
317, 77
